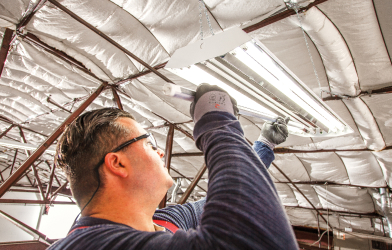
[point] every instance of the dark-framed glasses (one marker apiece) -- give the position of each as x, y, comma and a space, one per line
150, 138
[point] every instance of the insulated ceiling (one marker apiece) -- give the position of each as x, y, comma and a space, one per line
350, 45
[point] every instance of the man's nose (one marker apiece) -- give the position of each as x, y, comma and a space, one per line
160, 153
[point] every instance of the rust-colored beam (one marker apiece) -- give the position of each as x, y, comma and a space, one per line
193, 184
5, 119
318, 183
58, 190
57, 105
342, 213
41, 149
135, 76
189, 179
168, 155
186, 133
7, 130
35, 171
50, 183
384, 90
117, 98
107, 38
32, 39
35, 202
279, 17
13, 162
299, 190
187, 154
23, 245
5, 46
26, 227
291, 151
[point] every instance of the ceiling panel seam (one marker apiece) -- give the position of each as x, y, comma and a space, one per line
136, 19
345, 168
344, 39
341, 212
352, 117
373, 200
382, 34
375, 120
306, 170
209, 11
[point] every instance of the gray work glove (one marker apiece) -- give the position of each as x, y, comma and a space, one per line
274, 133
210, 98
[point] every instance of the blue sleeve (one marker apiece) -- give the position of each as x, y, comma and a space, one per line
185, 216
264, 152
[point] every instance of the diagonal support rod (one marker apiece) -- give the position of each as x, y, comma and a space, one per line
41, 149
193, 184
117, 98
168, 153
5, 46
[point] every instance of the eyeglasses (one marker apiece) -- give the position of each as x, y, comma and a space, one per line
151, 141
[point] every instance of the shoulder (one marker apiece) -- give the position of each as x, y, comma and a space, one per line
106, 236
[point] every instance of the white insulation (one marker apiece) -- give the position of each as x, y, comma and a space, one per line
348, 44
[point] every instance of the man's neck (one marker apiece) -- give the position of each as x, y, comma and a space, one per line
133, 213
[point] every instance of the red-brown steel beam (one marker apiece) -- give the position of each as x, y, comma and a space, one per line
41, 149
168, 153
25, 227
13, 162
342, 213
5, 46
318, 183
6, 131
306, 198
135, 76
279, 17
23, 245
35, 202
189, 179
32, 39
57, 105
187, 154
58, 190
5, 119
35, 171
384, 90
193, 184
107, 38
50, 183
117, 98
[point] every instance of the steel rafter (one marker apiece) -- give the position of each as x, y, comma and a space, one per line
299, 190
193, 184
107, 38
116, 98
50, 183
35, 202
5, 46
41, 149
13, 162
168, 153
7, 130
26, 227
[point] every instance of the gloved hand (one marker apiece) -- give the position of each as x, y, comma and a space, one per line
274, 133
210, 98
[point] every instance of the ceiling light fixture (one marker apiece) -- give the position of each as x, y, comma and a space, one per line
257, 80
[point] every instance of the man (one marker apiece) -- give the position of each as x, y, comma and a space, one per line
118, 179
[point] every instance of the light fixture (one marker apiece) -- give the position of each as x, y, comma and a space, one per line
257, 80
26, 146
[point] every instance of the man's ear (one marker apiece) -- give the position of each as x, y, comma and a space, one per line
115, 164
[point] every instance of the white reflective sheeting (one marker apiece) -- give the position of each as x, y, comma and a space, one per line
340, 198
13, 10
384, 158
310, 194
380, 106
286, 194
302, 217
365, 123
358, 24
362, 168
252, 132
291, 166
324, 167
337, 59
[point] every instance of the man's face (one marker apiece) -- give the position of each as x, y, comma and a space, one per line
148, 172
